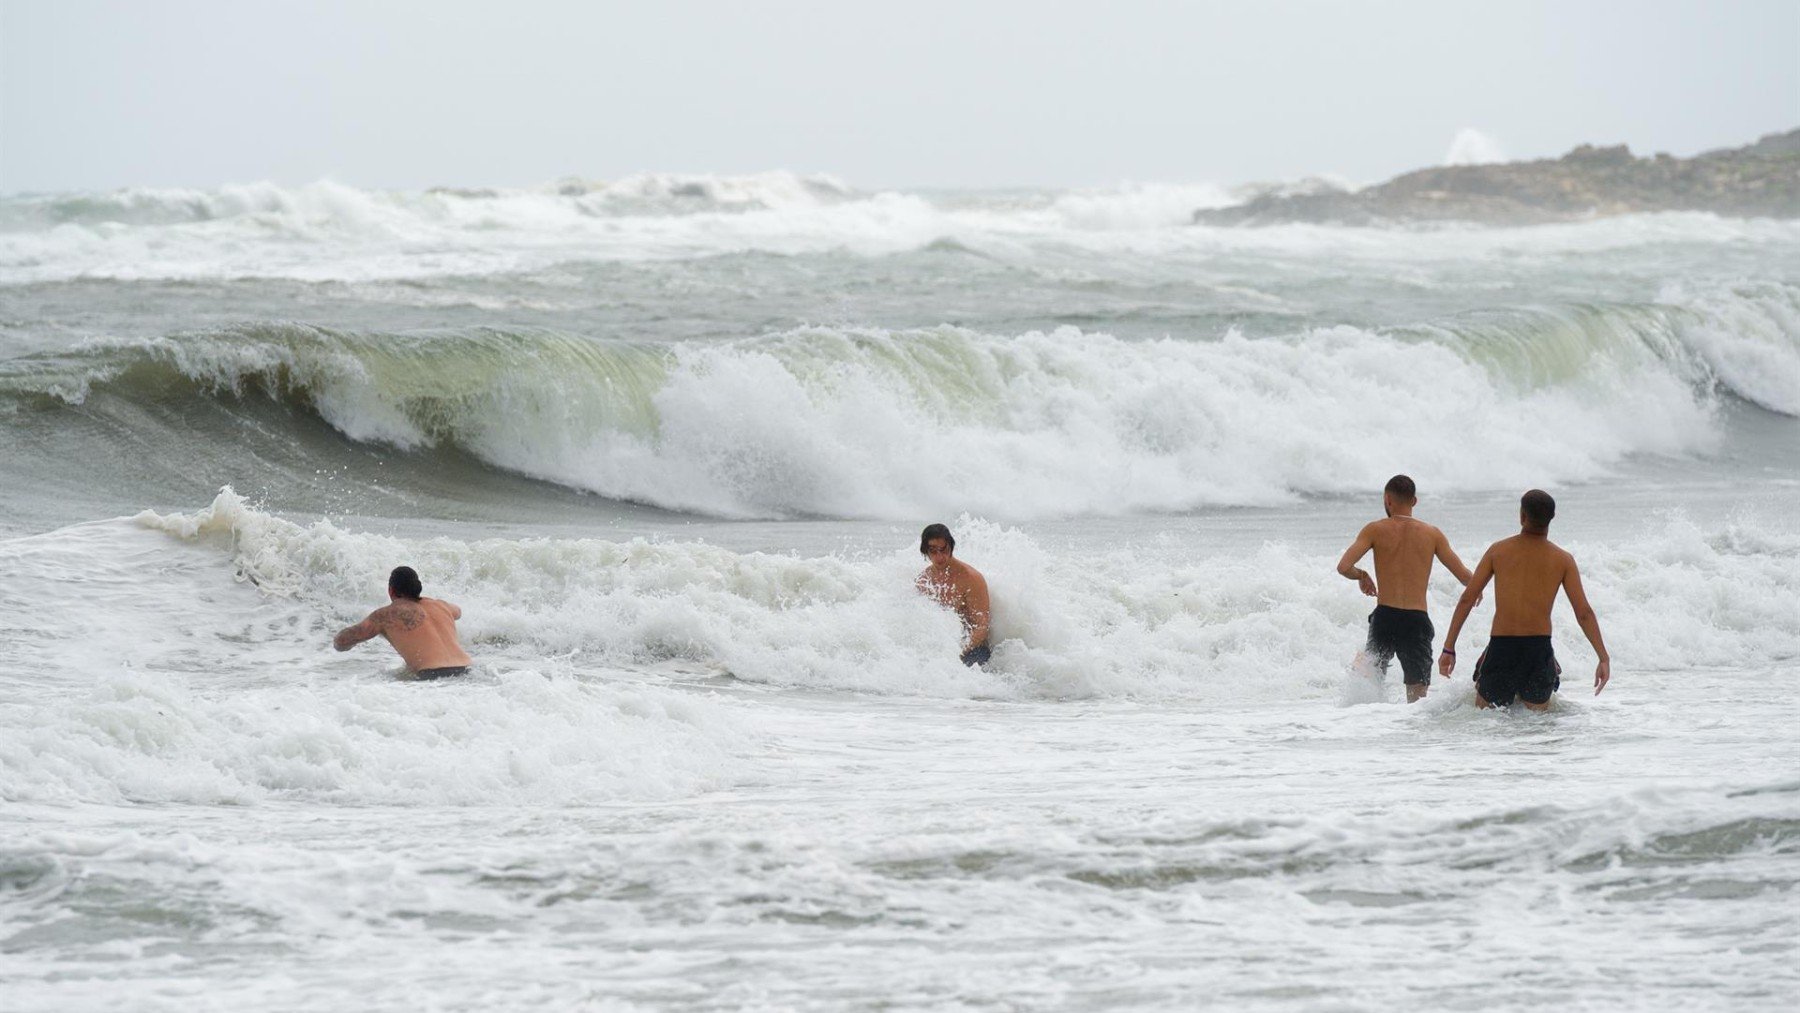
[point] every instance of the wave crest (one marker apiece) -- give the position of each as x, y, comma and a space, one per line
876, 423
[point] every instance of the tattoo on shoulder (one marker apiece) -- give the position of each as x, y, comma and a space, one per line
393, 615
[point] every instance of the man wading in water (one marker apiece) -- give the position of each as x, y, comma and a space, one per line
950, 581
1404, 548
1527, 569
423, 630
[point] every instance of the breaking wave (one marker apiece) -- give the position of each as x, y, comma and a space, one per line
329, 231
1129, 622
327, 202
878, 423
234, 699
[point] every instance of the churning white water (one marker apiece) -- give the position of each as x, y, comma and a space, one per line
669, 442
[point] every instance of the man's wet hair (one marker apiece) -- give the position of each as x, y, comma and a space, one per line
404, 582
936, 531
1402, 487
1538, 507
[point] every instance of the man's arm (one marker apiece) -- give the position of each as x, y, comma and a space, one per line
350, 636
1447, 556
1365, 540
1590, 624
1484, 572
455, 611
977, 602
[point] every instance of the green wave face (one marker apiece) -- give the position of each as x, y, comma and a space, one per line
866, 422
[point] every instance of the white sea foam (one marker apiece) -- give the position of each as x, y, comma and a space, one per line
1151, 621
234, 698
1176, 856
134, 736
330, 231
1749, 337
197, 688
1132, 206
646, 193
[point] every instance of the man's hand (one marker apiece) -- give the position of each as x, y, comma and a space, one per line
1366, 582
1446, 663
1602, 672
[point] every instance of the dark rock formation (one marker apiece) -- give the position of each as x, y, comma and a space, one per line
1759, 180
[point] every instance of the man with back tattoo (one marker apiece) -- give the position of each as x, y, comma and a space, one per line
422, 629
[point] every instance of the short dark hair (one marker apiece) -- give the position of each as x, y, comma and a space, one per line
404, 582
1538, 507
1402, 487
936, 531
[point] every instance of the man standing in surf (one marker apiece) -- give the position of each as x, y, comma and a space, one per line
1527, 569
422, 629
1404, 548
952, 582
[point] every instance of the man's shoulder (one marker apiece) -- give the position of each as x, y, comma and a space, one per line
970, 573
1377, 530
448, 610
1527, 546
381, 616
1430, 534
1403, 533
1398, 526
406, 614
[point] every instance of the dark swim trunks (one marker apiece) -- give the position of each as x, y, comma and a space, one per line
439, 673
1524, 667
1405, 634
977, 655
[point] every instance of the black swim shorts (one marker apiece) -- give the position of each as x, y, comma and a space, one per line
440, 673
977, 655
1524, 667
1405, 634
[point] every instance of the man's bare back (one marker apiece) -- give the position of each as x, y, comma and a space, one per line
422, 630
1528, 570
1404, 548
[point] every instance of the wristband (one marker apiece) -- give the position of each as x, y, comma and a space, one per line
1448, 651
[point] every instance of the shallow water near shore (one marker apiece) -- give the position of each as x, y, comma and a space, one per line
670, 450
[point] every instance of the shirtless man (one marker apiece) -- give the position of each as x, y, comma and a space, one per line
1527, 569
423, 630
1404, 547
950, 581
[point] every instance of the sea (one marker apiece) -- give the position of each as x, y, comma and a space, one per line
669, 441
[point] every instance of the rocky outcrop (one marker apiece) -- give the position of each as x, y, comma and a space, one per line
1759, 180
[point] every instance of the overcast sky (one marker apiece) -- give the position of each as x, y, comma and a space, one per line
391, 94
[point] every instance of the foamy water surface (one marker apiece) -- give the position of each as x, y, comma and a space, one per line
669, 440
